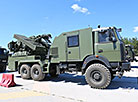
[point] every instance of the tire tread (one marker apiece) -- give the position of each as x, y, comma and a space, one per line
104, 68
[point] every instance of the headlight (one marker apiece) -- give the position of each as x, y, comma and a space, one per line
4, 61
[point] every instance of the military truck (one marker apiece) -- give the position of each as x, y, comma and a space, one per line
3, 59
98, 53
130, 54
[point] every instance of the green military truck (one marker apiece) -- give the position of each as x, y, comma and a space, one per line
98, 53
130, 54
3, 59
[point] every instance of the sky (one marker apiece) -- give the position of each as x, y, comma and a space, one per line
33, 17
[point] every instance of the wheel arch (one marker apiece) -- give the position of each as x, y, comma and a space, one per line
94, 59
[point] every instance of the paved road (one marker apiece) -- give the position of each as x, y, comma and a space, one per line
71, 88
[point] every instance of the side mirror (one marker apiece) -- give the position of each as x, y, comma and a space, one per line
113, 39
119, 30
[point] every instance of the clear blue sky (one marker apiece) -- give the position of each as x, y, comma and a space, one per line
33, 17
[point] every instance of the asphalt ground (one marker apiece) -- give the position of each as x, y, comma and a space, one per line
70, 87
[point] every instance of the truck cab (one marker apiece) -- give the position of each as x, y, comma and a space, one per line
77, 46
3, 59
108, 43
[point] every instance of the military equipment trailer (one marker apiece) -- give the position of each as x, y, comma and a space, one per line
3, 59
97, 53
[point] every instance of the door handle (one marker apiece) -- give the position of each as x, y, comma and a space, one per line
100, 51
69, 52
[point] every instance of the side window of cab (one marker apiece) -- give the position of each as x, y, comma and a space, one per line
73, 41
105, 36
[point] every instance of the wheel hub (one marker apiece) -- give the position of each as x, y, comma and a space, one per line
25, 71
96, 76
36, 72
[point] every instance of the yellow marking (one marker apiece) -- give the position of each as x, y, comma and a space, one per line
22, 94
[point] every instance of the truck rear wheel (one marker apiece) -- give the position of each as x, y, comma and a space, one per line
98, 76
25, 71
2, 68
36, 73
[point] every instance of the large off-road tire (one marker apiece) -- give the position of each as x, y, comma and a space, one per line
98, 76
2, 68
25, 71
36, 73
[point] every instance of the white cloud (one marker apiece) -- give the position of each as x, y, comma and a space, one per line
83, 10
135, 29
78, 8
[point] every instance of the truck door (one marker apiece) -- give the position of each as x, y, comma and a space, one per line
107, 48
73, 53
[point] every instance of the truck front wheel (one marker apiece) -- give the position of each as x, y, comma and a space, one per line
36, 73
25, 71
98, 76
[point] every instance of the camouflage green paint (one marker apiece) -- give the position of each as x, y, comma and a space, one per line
87, 44
15, 61
77, 53
111, 50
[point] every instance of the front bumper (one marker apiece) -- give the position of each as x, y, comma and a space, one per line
126, 66
3, 61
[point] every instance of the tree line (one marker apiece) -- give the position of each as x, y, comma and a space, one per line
133, 42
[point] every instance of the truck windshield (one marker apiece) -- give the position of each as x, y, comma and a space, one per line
2, 51
118, 35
